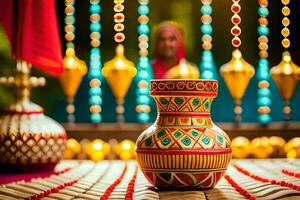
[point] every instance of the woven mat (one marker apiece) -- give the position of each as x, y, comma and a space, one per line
124, 180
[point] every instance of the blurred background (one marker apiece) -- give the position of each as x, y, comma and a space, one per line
187, 13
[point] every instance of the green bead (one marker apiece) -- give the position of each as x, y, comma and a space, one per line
163, 101
177, 134
161, 133
148, 141
195, 133
196, 102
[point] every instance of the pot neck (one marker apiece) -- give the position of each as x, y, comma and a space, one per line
183, 110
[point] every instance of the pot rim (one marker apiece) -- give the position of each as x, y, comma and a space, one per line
198, 87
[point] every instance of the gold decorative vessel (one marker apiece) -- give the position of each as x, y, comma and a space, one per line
237, 74
286, 76
119, 73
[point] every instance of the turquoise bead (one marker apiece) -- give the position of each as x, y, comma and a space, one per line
264, 92
143, 100
95, 50
263, 30
264, 101
263, 11
206, 29
95, 100
70, 19
143, 10
144, 59
263, 61
96, 117
95, 8
95, 27
143, 29
143, 117
264, 118
206, 10
143, 74
206, 74
142, 91
94, 91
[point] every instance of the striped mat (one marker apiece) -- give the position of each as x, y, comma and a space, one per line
245, 179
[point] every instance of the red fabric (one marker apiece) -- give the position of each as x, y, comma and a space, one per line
158, 66
32, 29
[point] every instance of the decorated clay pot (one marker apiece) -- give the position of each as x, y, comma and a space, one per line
183, 149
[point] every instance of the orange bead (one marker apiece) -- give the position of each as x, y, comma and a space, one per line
95, 17
95, 43
119, 17
285, 11
263, 21
143, 38
143, 52
69, 37
263, 84
264, 110
119, 37
206, 18
95, 83
138, 108
263, 2
143, 84
206, 1
286, 109
206, 38
263, 39
285, 43
147, 109
95, 109
95, 35
69, 10
263, 54
285, 32
69, 28
285, 21
263, 46
207, 45
143, 45
119, 27
143, 19
118, 8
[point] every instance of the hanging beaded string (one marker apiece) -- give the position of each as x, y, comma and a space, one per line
263, 75
70, 36
94, 74
285, 32
119, 19
69, 21
119, 37
207, 64
236, 42
236, 20
144, 74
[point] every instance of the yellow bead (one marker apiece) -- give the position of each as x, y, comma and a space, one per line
118, 1
285, 43
285, 2
285, 21
285, 32
285, 11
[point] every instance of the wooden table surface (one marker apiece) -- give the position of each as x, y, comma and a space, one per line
249, 178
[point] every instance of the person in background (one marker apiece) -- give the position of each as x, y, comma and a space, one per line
169, 57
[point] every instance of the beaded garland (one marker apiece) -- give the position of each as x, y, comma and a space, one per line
119, 18
285, 32
263, 75
236, 20
94, 73
144, 74
69, 21
207, 64
70, 36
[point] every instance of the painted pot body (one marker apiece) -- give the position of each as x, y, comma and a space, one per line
183, 149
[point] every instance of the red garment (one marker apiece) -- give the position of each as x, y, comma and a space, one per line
32, 29
158, 66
